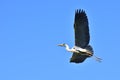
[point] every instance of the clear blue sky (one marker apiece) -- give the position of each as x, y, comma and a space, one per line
31, 29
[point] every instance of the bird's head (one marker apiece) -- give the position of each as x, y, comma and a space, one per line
62, 45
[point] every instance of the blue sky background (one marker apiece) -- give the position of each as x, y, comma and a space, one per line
31, 29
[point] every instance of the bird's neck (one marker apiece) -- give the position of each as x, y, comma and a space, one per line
67, 47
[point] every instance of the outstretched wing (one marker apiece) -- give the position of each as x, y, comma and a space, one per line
78, 58
81, 29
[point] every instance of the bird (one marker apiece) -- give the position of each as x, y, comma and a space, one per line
82, 49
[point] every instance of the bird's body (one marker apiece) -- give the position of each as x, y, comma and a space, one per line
79, 54
82, 49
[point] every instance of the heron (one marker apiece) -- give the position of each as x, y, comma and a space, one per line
82, 49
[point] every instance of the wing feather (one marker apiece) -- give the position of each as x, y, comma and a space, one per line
78, 58
81, 29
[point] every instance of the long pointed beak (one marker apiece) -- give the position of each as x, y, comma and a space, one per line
60, 45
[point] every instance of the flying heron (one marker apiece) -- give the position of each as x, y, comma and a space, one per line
82, 49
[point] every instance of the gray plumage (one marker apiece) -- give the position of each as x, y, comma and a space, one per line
82, 49
81, 28
82, 37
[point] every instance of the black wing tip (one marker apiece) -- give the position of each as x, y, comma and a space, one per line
77, 60
78, 11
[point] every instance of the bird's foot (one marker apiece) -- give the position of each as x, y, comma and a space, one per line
97, 58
